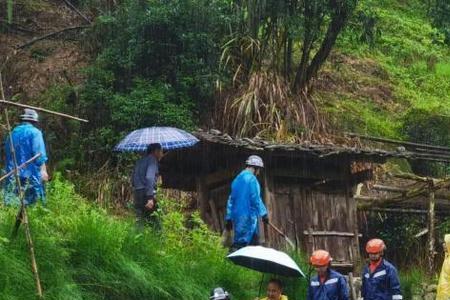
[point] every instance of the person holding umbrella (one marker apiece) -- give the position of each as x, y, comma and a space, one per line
245, 206
327, 284
144, 181
152, 141
379, 278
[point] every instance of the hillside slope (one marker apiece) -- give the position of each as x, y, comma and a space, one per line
369, 88
84, 253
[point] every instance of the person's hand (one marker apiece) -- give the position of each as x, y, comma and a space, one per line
265, 219
44, 175
150, 204
229, 225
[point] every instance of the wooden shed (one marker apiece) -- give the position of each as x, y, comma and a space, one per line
307, 188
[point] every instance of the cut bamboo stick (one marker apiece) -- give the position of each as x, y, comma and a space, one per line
41, 109
22, 217
20, 167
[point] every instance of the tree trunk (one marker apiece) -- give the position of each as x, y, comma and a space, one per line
336, 25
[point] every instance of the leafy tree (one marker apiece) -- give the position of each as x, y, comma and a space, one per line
282, 43
439, 11
156, 64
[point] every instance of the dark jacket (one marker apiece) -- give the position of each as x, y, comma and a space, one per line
334, 287
145, 175
382, 284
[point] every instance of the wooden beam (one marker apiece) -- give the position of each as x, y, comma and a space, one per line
330, 233
215, 216
304, 173
412, 193
405, 211
393, 189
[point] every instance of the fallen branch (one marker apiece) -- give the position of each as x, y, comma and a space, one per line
71, 6
16, 26
48, 35
43, 110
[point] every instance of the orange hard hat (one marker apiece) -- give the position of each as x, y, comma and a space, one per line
320, 258
375, 246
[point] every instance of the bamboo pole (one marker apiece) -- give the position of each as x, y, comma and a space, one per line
431, 229
41, 109
20, 167
396, 142
22, 216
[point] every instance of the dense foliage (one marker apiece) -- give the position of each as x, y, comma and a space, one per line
155, 64
439, 11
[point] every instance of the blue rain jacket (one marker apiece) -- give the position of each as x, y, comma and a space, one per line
382, 284
334, 287
28, 141
244, 207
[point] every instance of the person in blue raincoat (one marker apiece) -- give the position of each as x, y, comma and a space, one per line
28, 142
327, 284
379, 278
245, 206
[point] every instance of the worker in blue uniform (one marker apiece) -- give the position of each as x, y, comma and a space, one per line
379, 278
245, 206
28, 141
327, 284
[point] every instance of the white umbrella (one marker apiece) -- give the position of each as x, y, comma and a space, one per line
266, 260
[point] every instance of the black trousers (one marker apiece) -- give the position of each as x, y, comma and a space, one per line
143, 215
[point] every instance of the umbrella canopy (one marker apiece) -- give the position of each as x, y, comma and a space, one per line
266, 260
170, 138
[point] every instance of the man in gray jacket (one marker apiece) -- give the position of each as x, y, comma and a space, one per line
144, 181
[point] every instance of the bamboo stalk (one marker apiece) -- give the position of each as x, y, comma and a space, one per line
42, 110
431, 230
20, 167
22, 217
48, 35
71, 6
396, 142
389, 188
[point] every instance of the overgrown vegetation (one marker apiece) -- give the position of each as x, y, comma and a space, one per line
83, 253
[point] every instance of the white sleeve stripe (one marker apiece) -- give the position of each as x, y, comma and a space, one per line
378, 274
397, 297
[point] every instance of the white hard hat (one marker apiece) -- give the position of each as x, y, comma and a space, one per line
254, 161
30, 115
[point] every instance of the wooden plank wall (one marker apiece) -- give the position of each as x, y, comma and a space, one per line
296, 209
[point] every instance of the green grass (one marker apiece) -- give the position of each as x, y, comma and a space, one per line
84, 253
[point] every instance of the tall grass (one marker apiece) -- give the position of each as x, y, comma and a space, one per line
84, 253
